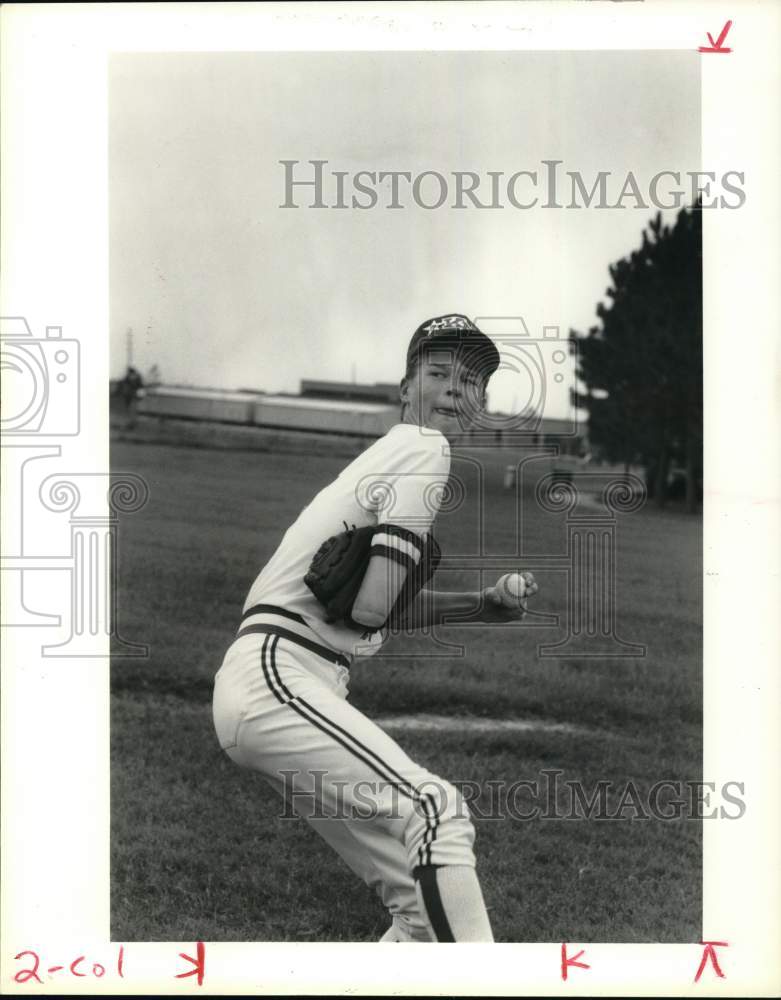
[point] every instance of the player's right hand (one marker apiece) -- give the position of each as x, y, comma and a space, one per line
531, 585
494, 610
498, 608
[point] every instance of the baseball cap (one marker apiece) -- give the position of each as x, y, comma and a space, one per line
458, 333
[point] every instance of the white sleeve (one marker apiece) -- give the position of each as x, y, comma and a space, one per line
408, 490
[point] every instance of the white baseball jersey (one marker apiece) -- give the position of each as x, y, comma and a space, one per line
398, 480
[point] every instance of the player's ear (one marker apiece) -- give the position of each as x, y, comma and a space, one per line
483, 394
404, 390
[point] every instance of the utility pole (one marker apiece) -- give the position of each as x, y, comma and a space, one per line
129, 346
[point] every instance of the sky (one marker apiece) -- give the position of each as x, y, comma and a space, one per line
223, 287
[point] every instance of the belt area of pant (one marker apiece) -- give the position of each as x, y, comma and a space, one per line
278, 628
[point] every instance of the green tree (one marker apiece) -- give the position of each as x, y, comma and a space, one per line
642, 364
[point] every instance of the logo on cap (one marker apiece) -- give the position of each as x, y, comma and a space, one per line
448, 323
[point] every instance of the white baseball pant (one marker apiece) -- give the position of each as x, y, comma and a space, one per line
279, 708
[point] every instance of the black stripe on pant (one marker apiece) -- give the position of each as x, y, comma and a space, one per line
285, 697
426, 877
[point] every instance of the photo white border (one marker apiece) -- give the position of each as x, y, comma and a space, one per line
55, 272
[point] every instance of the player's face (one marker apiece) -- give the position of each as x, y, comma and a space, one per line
443, 394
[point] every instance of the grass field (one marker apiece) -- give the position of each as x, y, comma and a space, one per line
198, 850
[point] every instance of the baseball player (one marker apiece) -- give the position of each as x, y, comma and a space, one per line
280, 695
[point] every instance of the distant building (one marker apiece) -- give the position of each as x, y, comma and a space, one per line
539, 431
346, 408
294, 413
379, 392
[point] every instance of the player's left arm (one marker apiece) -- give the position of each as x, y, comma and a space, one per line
382, 584
399, 547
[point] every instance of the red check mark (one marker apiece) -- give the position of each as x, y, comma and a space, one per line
717, 45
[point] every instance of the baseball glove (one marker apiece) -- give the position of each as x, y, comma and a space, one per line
337, 570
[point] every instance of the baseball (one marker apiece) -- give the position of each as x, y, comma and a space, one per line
511, 588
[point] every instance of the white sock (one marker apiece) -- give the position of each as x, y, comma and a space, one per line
451, 899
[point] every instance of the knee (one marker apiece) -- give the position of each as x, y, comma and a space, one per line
443, 832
